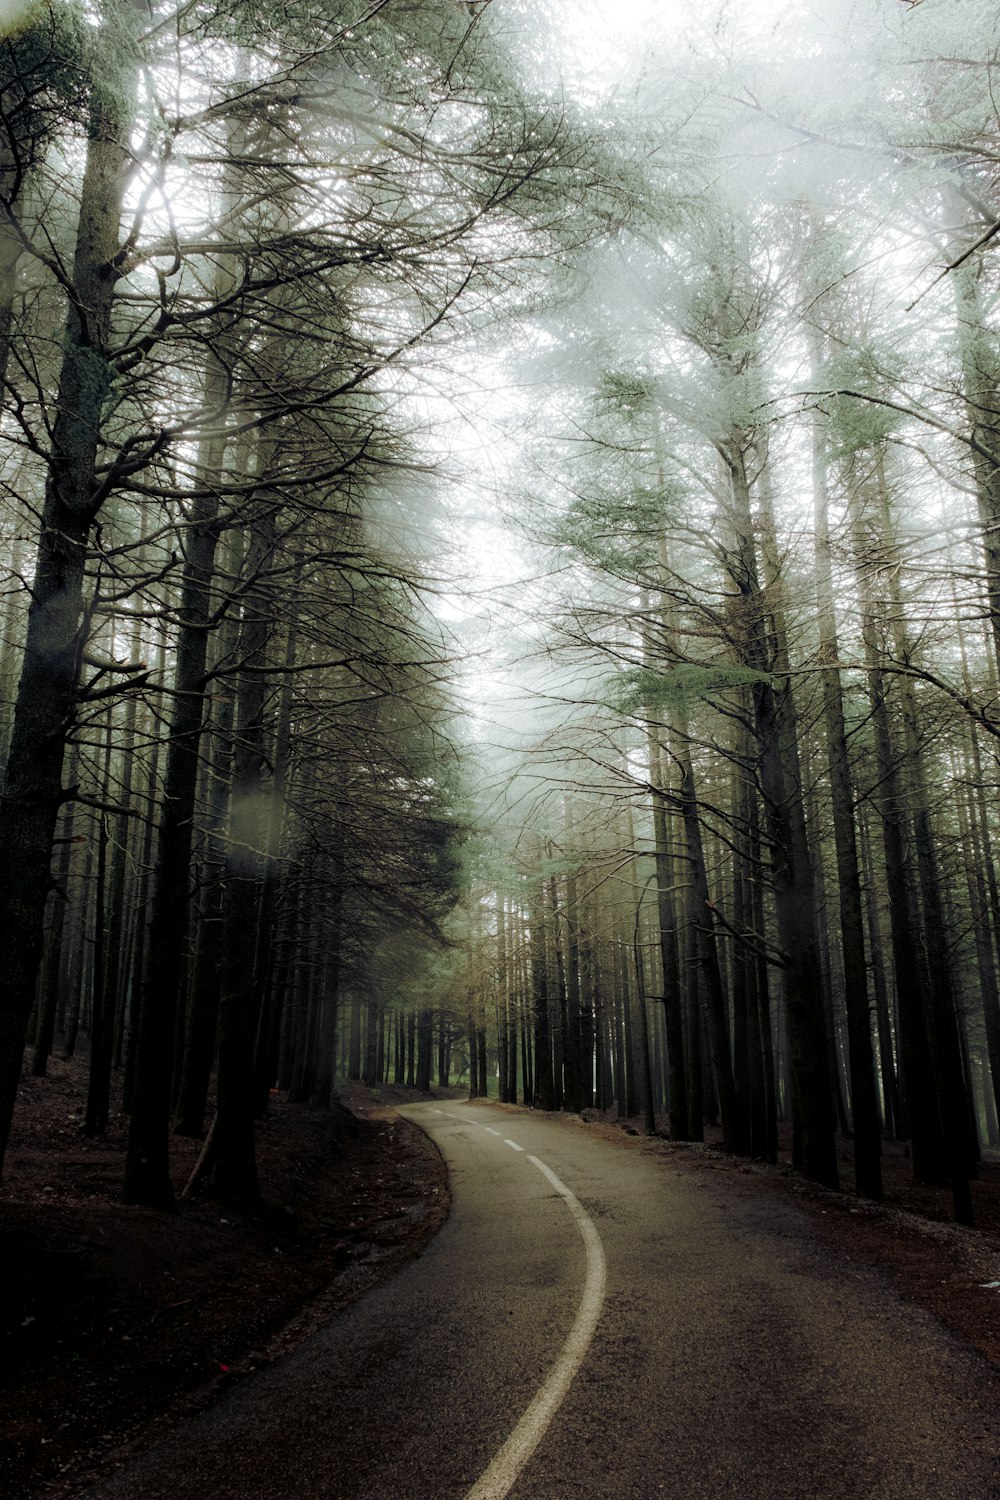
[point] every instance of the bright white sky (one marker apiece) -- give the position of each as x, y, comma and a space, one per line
10, 10
602, 40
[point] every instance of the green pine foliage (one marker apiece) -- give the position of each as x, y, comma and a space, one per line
651, 692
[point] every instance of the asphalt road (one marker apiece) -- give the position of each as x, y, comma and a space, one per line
718, 1351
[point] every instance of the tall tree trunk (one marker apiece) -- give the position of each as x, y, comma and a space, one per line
981, 379
268, 1060
103, 1016
887, 1063
146, 1166
58, 932
557, 988
443, 1052
543, 1097
571, 1042
791, 872
915, 983
645, 1068
203, 995
399, 1069
745, 953
484, 1083
411, 1050
139, 925
700, 921
943, 1013
587, 1004
621, 1027
665, 904
241, 989
864, 1098
503, 1005
425, 1049
369, 1072
322, 1094
146, 1174
116, 977
47, 692
981, 875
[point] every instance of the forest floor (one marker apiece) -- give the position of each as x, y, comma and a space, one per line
114, 1318
117, 1321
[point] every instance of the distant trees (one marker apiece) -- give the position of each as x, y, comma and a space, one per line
771, 616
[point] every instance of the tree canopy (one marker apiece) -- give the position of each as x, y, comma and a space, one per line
501, 531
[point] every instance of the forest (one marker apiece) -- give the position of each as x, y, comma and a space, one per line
500, 567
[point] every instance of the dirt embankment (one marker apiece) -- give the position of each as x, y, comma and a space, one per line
114, 1317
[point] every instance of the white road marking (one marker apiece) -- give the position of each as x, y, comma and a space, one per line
512, 1144
491, 1131
505, 1469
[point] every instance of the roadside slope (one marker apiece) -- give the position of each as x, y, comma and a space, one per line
113, 1318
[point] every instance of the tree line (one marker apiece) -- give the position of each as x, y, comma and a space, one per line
232, 244
757, 879
719, 847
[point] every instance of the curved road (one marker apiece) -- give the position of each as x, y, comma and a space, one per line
668, 1342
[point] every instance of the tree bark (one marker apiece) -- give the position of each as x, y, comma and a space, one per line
864, 1097
543, 1097
47, 692
791, 872
241, 989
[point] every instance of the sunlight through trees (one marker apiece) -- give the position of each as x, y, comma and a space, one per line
501, 568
